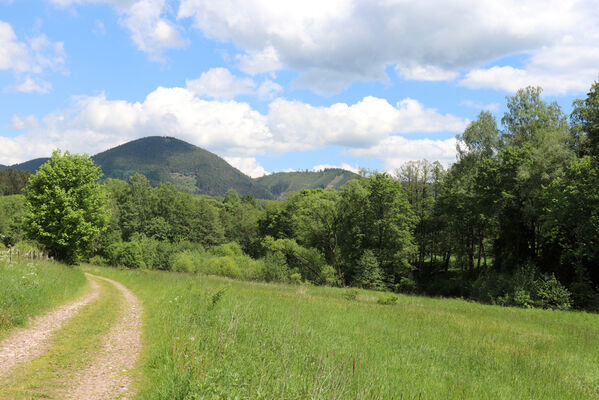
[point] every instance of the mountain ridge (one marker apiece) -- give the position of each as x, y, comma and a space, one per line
195, 170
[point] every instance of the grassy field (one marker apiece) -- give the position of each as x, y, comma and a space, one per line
30, 288
211, 338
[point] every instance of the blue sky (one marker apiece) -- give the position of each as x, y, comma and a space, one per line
276, 86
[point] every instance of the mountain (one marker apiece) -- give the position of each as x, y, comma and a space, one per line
188, 167
195, 170
31, 165
282, 182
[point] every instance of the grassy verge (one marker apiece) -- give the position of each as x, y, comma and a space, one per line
71, 349
211, 337
30, 288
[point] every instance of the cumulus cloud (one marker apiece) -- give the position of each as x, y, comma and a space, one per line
220, 83
247, 165
429, 40
228, 128
147, 22
396, 150
33, 55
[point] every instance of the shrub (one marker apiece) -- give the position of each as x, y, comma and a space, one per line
525, 288
550, 293
227, 249
369, 275
98, 260
329, 276
183, 262
388, 299
350, 294
295, 278
406, 285
226, 266
275, 267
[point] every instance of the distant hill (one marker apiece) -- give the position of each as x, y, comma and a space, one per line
195, 170
31, 165
188, 167
282, 182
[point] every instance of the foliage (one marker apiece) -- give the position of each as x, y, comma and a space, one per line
65, 208
387, 299
12, 181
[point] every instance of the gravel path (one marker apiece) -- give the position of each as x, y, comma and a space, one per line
108, 375
25, 344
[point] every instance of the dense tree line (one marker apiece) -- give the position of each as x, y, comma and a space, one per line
12, 181
515, 220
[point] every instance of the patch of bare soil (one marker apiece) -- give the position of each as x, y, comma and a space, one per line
108, 376
25, 344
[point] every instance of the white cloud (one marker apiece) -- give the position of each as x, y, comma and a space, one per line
396, 150
426, 73
247, 165
147, 22
365, 123
355, 169
228, 128
269, 89
220, 83
339, 41
32, 85
490, 107
33, 55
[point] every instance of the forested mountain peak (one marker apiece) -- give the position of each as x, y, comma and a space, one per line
167, 159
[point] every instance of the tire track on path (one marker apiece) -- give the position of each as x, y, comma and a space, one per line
26, 344
108, 376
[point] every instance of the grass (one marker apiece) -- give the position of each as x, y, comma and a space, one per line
71, 349
31, 288
210, 337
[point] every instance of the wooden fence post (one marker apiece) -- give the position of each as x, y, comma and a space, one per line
10, 254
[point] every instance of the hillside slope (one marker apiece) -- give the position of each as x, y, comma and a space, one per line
282, 182
188, 167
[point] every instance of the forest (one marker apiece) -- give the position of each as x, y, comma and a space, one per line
514, 221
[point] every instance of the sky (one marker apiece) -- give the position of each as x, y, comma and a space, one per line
282, 85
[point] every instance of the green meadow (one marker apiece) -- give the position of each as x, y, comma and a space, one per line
214, 338
28, 288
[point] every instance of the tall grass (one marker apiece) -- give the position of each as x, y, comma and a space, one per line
211, 337
28, 288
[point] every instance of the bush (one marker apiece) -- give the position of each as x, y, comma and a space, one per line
183, 262
369, 274
226, 266
228, 249
350, 294
406, 285
329, 276
525, 288
126, 254
388, 299
98, 260
295, 278
275, 267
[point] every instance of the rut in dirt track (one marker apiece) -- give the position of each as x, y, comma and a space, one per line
25, 344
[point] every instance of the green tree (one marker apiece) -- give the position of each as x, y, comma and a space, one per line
65, 205
585, 123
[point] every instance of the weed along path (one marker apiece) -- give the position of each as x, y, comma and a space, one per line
109, 375
26, 344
